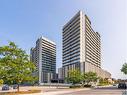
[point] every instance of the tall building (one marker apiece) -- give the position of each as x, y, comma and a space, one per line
44, 56
81, 46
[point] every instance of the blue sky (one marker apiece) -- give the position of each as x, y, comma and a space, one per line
23, 21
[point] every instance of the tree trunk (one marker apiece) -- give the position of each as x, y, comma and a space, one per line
18, 88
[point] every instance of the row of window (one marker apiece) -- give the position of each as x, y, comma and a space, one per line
71, 22
71, 32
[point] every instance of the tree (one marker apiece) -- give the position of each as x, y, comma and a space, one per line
90, 77
1, 81
74, 76
15, 66
124, 68
103, 82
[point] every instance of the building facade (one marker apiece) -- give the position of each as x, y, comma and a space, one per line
44, 57
81, 46
60, 73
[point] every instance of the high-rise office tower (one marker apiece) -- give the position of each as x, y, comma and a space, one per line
44, 56
81, 46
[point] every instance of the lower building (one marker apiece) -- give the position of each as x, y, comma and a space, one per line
44, 57
60, 73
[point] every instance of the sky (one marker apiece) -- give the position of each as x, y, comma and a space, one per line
24, 21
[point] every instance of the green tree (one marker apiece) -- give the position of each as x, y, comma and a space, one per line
103, 82
124, 68
90, 77
15, 66
1, 81
74, 76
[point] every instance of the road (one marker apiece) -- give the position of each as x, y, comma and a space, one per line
83, 91
99, 91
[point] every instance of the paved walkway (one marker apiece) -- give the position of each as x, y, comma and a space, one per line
59, 91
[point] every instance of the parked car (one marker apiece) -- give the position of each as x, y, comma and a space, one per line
5, 87
115, 84
15, 86
122, 85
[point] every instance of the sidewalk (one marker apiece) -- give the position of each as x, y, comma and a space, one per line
58, 92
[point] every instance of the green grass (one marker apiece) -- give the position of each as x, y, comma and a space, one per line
20, 92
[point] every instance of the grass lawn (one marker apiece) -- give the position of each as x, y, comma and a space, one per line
20, 92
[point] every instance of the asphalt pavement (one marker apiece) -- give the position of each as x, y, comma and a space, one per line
100, 91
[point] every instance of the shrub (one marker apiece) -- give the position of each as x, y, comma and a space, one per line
87, 85
1, 81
